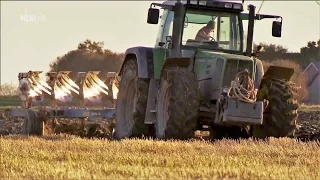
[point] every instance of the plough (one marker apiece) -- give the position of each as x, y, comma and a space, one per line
60, 88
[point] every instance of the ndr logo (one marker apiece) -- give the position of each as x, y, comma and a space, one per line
26, 18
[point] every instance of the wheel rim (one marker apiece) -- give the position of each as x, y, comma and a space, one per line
162, 111
130, 99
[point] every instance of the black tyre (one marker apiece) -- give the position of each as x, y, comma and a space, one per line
131, 103
31, 124
177, 104
281, 113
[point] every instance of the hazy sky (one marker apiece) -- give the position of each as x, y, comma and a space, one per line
61, 26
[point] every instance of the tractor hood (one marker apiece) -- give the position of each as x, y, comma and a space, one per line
201, 53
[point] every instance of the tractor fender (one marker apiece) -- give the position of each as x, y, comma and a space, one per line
178, 62
278, 72
144, 58
273, 72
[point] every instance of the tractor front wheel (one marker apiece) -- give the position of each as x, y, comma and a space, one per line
131, 103
281, 113
177, 104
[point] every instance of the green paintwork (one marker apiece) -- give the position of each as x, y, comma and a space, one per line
203, 58
207, 57
209, 54
158, 60
159, 56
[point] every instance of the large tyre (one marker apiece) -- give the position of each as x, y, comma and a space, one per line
31, 124
177, 104
131, 103
281, 113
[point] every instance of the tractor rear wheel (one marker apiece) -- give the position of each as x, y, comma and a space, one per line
31, 124
177, 104
281, 113
131, 103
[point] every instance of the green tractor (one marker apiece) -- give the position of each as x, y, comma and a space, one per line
185, 84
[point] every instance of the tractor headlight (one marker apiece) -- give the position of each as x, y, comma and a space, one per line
237, 6
193, 2
203, 3
228, 5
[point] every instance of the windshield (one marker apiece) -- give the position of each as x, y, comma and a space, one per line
211, 30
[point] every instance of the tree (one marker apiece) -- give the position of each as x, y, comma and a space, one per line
311, 52
273, 48
89, 56
91, 47
272, 52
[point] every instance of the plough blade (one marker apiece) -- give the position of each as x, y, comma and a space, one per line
92, 86
62, 86
31, 87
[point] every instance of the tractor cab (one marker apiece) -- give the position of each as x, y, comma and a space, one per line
219, 22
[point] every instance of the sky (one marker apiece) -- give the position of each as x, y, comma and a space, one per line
60, 26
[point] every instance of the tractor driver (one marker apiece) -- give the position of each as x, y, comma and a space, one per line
204, 33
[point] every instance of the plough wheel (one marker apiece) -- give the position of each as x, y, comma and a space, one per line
31, 124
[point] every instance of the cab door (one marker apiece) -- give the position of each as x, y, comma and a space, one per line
161, 50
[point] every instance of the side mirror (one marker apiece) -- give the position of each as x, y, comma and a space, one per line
276, 28
153, 16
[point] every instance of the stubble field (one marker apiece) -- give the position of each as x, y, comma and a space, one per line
71, 157
59, 157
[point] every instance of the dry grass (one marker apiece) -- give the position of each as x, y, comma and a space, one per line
75, 158
8, 90
308, 108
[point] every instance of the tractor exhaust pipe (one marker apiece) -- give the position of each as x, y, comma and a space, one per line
250, 29
177, 28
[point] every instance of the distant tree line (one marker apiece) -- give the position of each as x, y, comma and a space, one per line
307, 54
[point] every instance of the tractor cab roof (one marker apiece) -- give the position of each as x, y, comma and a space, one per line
205, 4
221, 4
172, 3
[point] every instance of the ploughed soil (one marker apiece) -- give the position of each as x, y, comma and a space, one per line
308, 126
95, 127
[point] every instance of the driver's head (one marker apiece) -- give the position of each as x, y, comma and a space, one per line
211, 25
